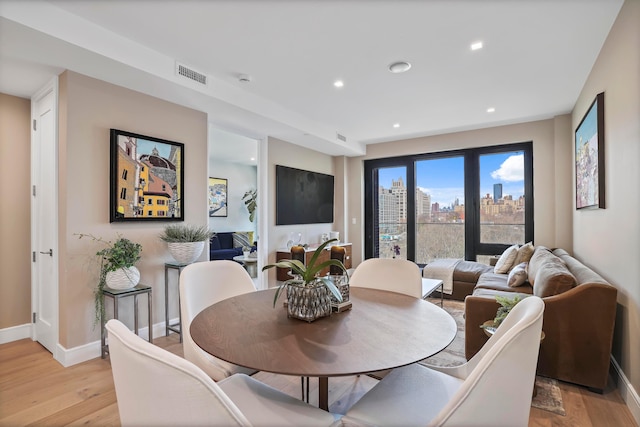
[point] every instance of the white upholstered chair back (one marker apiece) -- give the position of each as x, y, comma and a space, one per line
155, 387
201, 285
397, 275
494, 389
506, 367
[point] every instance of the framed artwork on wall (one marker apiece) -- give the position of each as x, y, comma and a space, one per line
146, 178
217, 197
589, 144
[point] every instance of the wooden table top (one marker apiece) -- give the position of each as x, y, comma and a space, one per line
383, 330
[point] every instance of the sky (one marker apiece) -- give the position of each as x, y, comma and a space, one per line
443, 179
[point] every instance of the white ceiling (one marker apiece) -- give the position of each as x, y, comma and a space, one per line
536, 57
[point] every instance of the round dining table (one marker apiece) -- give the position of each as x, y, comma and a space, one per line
383, 330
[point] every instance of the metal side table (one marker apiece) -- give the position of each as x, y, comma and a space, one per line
176, 327
116, 294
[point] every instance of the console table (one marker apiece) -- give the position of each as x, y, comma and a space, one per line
282, 274
116, 294
176, 326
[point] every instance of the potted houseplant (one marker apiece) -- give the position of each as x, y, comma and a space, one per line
506, 305
186, 241
117, 269
250, 200
308, 294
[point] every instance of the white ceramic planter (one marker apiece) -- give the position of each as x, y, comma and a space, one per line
124, 278
186, 252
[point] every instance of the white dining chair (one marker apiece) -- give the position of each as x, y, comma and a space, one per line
494, 388
397, 275
157, 388
201, 285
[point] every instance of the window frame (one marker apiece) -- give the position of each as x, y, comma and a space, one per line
473, 246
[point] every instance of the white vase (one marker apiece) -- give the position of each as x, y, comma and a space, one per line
186, 252
123, 278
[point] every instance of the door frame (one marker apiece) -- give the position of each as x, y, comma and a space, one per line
50, 87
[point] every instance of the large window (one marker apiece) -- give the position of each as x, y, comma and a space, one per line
465, 204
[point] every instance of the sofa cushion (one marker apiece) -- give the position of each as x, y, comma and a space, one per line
554, 279
517, 275
524, 253
214, 244
470, 271
506, 260
224, 254
541, 257
498, 282
492, 293
226, 240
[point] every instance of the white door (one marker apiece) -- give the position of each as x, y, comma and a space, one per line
44, 227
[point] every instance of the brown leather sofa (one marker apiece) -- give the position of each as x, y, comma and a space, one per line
579, 316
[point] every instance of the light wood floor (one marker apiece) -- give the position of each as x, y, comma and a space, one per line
36, 390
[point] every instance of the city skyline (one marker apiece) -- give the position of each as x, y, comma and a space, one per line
443, 179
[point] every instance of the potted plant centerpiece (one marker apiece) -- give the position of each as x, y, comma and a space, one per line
117, 269
186, 241
506, 305
308, 294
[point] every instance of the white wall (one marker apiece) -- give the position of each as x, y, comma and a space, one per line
286, 154
240, 179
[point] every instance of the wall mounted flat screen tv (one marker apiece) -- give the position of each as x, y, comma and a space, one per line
303, 197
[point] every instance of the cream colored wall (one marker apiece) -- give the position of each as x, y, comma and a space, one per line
609, 239
88, 109
286, 154
15, 223
550, 139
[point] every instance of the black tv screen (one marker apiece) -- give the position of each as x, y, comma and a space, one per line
303, 197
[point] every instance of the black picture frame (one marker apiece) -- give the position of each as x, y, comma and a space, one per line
146, 178
589, 157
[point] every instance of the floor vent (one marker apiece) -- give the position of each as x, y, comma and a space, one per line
191, 74
341, 137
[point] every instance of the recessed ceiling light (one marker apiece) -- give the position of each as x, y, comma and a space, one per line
338, 83
396, 125
253, 159
399, 67
491, 110
476, 45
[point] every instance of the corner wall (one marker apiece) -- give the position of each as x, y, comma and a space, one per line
15, 215
608, 240
88, 109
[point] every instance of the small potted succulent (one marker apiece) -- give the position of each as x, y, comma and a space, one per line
186, 241
506, 305
308, 294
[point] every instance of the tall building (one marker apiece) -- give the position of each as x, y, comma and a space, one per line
423, 204
400, 191
497, 192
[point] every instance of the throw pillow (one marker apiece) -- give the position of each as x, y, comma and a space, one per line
241, 240
524, 253
506, 260
517, 275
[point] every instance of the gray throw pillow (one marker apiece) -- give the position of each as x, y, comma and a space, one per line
517, 275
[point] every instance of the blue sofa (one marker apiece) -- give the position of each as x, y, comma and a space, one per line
221, 246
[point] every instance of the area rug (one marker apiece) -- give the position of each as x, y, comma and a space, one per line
548, 396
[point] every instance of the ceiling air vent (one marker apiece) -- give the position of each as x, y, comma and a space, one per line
341, 137
191, 74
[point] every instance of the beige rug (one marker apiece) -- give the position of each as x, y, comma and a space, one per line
548, 396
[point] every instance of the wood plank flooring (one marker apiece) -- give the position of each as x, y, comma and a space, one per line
35, 390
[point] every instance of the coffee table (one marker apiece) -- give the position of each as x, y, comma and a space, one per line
383, 330
251, 264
